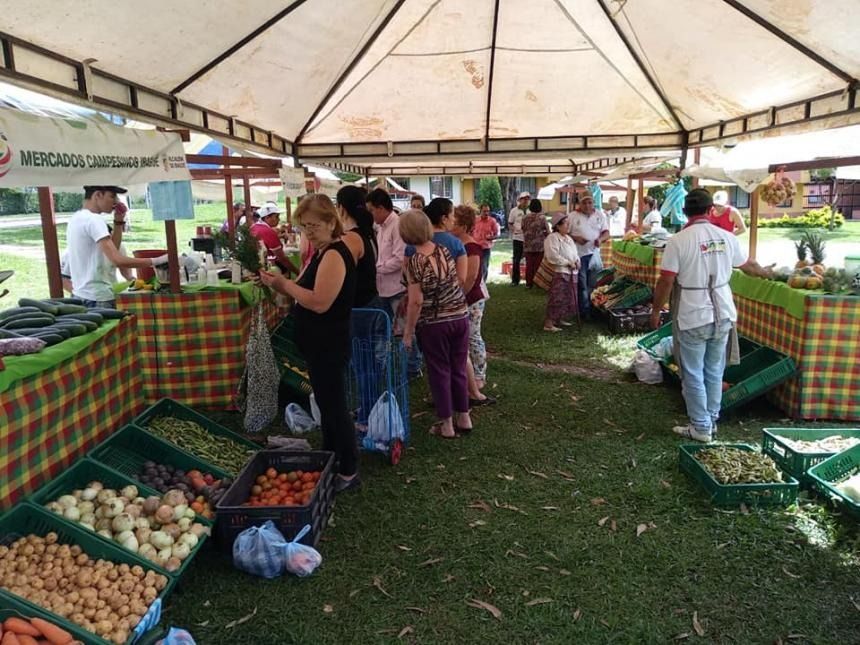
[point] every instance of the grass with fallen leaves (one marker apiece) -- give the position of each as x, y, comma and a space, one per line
563, 518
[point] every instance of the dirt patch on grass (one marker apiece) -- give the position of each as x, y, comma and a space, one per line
589, 371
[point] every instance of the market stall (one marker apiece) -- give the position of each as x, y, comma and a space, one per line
636, 261
818, 331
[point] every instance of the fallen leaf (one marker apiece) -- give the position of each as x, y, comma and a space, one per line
538, 601
609, 423
640, 437
681, 637
665, 484
440, 466
697, 626
409, 480
509, 478
203, 624
640, 529
477, 523
598, 501
418, 415
377, 582
480, 604
552, 555
550, 508
577, 614
563, 572
789, 573
526, 593
516, 553
602, 521
406, 630
542, 568
854, 602
744, 509
403, 548
613, 526
481, 505
243, 619
534, 403
327, 609
722, 545
604, 623
797, 637
417, 609
427, 563
207, 603
354, 593
537, 474
448, 578
565, 474
632, 462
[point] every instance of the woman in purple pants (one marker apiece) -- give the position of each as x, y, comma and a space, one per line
438, 315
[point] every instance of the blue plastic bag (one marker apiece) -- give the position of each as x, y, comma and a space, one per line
259, 551
177, 636
300, 559
150, 619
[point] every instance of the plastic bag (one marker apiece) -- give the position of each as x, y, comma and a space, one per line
315, 411
300, 559
261, 378
385, 422
298, 420
177, 636
646, 368
258, 551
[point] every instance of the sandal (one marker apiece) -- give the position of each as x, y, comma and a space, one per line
552, 329
462, 431
436, 430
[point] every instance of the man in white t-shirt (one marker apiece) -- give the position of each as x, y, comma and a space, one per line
698, 263
617, 218
589, 229
515, 225
90, 249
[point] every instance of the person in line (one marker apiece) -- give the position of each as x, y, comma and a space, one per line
696, 268
91, 252
589, 229
535, 231
726, 216
561, 252
485, 233
266, 232
476, 297
360, 238
238, 214
653, 218
438, 316
617, 218
417, 202
440, 211
323, 295
515, 224
390, 247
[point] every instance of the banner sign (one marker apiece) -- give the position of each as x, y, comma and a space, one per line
44, 151
171, 200
293, 180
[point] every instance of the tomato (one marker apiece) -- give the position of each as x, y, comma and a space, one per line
261, 479
271, 473
291, 477
256, 490
297, 485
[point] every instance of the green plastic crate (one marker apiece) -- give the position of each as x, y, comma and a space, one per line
88, 470
775, 494
797, 463
835, 470
171, 408
291, 363
11, 607
127, 449
758, 372
25, 519
648, 342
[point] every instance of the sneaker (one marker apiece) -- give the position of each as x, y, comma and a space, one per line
690, 432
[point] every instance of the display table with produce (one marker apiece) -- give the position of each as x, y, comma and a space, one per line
192, 345
820, 332
637, 261
56, 405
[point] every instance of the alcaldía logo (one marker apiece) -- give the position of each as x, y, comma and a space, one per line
6, 157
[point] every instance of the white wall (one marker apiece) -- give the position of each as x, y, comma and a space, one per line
422, 185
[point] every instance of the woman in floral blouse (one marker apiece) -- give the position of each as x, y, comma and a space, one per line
535, 231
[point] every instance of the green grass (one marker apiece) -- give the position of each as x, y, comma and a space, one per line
848, 232
596, 448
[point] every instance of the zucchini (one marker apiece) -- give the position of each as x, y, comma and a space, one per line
76, 328
30, 331
33, 321
49, 339
66, 301
5, 333
98, 319
14, 311
24, 316
109, 314
71, 309
65, 332
47, 307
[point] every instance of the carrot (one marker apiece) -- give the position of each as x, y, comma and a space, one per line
20, 626
9, 638
51, 632
26, 639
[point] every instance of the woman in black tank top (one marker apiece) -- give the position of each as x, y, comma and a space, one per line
361, 240
324, 295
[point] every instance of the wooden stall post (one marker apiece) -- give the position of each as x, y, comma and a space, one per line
49, 234
697, 157
289, 208
246, 185
628, 202
640, 199
754, 222
231, 217
172, 256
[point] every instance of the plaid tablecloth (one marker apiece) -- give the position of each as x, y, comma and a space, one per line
825, 345
192, 345
606, 253
51, 419
632, 268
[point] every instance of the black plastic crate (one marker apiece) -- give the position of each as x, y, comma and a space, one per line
233, 518
622, 321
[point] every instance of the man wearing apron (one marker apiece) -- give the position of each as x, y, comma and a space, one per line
697, 266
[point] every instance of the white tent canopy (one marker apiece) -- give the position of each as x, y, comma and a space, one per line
374, 80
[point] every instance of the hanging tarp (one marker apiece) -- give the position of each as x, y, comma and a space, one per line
44, 151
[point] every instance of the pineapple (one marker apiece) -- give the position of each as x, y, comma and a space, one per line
815, 244
800, 246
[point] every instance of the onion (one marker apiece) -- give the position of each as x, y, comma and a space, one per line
184, 524
88, 518
148, 551
188, 539
172, 530
89, 494
72, 513
190, 514
173, 564
161, 540
77, 494
122, 536
181, 551
86, 507
142, 523
129, 491
174, 498
134, 510
165, 554
97, 485
105, 533
88, 526
129, 541
151, 504
114, 507
105, 494
143, 535
54, 507
164, 514
122, 522
199, 530
67, 501
103, 524
179, 510
139, 500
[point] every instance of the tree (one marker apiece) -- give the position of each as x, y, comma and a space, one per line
490, 192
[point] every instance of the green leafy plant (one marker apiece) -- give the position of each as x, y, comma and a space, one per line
243, 248
823, 217
490, 192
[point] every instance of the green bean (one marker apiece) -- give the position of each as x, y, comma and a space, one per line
734, 466
220, 451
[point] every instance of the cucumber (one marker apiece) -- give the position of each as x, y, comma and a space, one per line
47, 307
25, 323
65, 332
98, 319
109, 314
71, 309
30, 331
4, 333
24, 316
76, 328
66, 301
15, 311
49, 339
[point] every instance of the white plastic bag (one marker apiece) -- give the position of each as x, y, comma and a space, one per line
385, 422
300, 559
315, 411
298, 420
646, 368
259, 551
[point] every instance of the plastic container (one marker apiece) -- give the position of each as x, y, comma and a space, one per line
623, 322
834, 470
126, 450
88, 470
171, 408
233, 518
758, 372
25, 519
11, 607
294, 369
797, 463
852, 264
775, 494
147, 273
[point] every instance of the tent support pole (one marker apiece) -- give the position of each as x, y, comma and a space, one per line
49, 234
640, 199
697, 157
629, 203
172, 255
246, 185
228, 194
289, 209
754, 222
